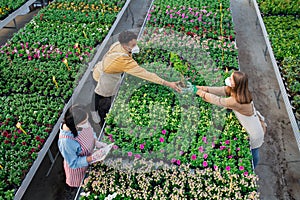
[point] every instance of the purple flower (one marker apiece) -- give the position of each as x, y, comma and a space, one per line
161, 139
205, 156
178, 162
164, 132
137, 156
241, 168
181, 152
129, 153
201, 149
227, 168
194, 157
142, 146
204, 164
213, 145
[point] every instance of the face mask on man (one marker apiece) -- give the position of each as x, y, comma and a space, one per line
135, 49
227, 82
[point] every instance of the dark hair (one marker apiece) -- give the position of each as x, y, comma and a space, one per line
126, 36
240, 90
74, 115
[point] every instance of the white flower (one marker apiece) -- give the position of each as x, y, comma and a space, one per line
109, 197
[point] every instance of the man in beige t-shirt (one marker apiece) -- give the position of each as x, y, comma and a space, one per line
117, 60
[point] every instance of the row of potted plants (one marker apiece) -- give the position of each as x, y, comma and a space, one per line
151, 124
282, 24
40, 67
151, 180
9, 6
279, 7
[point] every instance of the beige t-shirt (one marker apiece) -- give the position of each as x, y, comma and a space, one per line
116, 61
244, 113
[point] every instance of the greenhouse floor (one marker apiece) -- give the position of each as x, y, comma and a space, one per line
279, 166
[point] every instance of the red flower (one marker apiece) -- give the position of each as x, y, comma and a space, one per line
6, 141
38, 138
24, 143
196, 27
4, 133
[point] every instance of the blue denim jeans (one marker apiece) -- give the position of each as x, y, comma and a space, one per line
255, 155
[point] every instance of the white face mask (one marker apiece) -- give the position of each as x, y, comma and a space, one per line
135, 49
227, 81
85, 125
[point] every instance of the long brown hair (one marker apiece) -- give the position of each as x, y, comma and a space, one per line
240, 91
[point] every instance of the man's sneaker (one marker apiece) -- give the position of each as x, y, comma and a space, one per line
95, 117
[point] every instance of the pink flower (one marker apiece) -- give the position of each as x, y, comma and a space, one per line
171, 16
227, 168
235, 138
204, 164
241, 168
137, 156
181, 152
227, 142
213, 145
168, 6
205, 156
238, 149
129, 153
178, 162
245, 173
142, 146
215, 167
201, 149
164, 132
204, 139
161, 139
222, 147
173, 160
115, 147
194, 157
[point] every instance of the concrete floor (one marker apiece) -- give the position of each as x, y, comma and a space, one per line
279, 167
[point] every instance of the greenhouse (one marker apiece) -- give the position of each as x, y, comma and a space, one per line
173, 130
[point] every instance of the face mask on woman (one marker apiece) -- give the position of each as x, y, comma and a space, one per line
227, 81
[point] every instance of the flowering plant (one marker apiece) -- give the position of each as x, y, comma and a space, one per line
40, 66
204, 151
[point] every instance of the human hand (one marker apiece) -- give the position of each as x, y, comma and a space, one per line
204, 88
201, 93
173, 85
